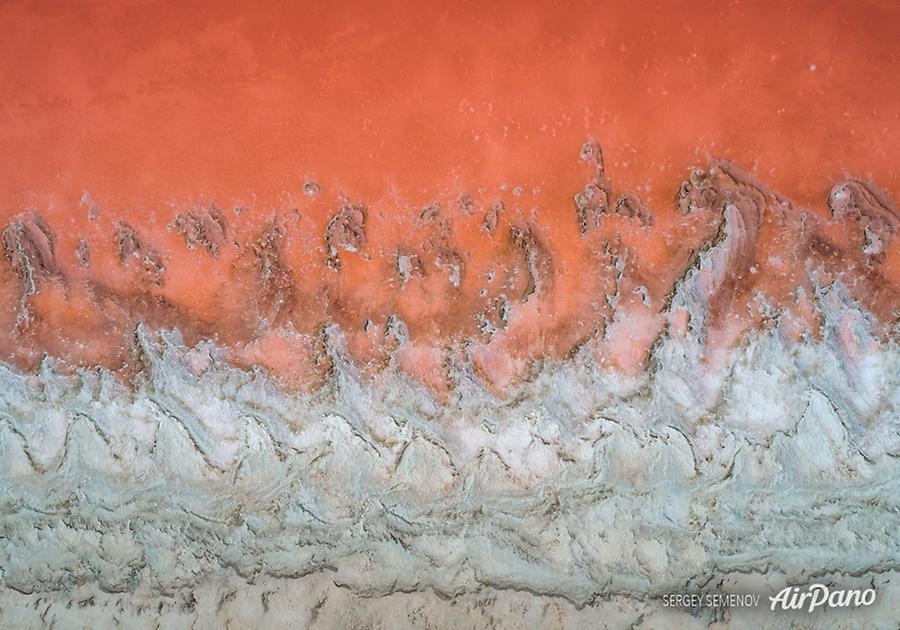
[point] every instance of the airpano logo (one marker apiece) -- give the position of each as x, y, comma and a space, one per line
819, 596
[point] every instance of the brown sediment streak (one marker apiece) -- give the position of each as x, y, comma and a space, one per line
346, 232
538, 262
275, 281
29, 250
132, 251
202, 228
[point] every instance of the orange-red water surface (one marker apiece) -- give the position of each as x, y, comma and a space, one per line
122, 116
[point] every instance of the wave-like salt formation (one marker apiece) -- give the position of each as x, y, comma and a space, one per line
584, 486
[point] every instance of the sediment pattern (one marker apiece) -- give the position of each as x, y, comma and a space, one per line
718, 400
